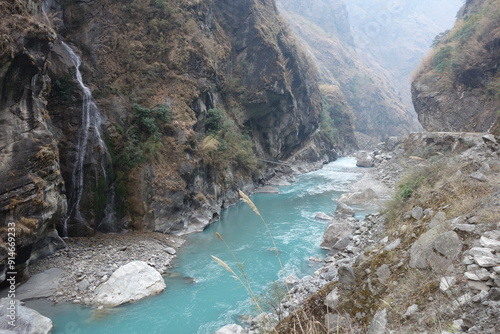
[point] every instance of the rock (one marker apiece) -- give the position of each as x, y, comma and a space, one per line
131, 282
323, 216
41, 285
391, 143
486, 261
446, 244
478, 275
346, 275
481, 251
170, 251
479, 176
338, 229
231, 329
480, 286
438, 219
469, 228
489, 138
267, 190
344, 209
447, 282
383, 273
411, 311
27, 321
378, 323
364, 159
495, 294
417, 213
490, 243
393, 245
332, 299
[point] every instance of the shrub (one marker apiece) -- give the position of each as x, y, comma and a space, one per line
442, 58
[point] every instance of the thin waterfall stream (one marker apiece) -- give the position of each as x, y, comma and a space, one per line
91, 123
201, 296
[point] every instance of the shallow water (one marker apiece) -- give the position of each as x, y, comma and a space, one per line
201, 296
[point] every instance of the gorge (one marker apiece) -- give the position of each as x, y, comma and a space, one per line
146, 118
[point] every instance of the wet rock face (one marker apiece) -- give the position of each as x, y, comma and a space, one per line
32, 195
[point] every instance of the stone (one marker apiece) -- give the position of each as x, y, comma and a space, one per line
447, 282
383, 273
495, 294
344, 209
170, 251
364, 159
378, 323
332, 299
479, 176
479, 286
291, 279
231, 329
338, 229
83, 285
346, 275
469, 228
411, 311
27, 321
481, 251
490, 243
42, 285
417, 213
393, 245
423, 247
131, 282
486, 261
438, 219
478, 275
322, 216
448, 244
489, 138
458, 324
497, 269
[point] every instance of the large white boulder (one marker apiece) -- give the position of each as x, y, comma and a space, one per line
129, 283
24, 319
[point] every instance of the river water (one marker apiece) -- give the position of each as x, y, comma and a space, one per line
201, 296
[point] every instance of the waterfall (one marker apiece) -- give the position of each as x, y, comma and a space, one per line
90, 130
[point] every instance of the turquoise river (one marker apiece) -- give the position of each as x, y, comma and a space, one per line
202, 296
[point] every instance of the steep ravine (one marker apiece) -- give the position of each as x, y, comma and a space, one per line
188, 113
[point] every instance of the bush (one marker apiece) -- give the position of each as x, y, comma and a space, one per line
442, 58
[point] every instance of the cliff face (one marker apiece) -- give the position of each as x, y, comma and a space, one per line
32, 198
457, 87
374, 107
189, 95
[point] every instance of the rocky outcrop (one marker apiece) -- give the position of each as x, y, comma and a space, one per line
24, 320
129, 283
32, 198
457, 86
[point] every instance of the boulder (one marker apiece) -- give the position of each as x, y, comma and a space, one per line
344, 209
364, 159
27, 321
41, 285
332, 299
129, 283
336, 231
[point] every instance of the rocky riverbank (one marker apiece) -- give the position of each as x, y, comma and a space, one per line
86, 263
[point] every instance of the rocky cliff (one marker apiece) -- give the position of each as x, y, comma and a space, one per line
457, 87
349, 85
144, 115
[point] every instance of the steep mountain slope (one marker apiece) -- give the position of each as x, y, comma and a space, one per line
184, 111
457, 87
376, 108
393, 36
